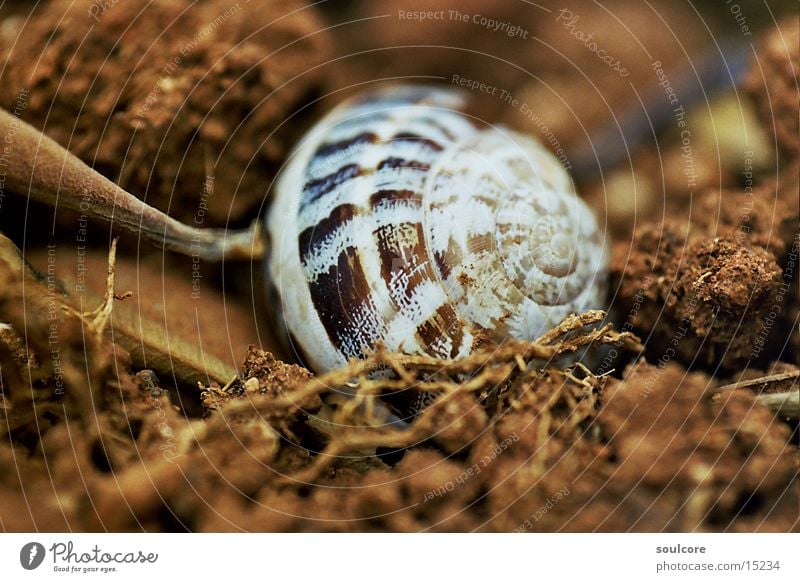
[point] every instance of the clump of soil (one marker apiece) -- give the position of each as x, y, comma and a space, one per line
774, 85
711, 292
714, 284
192, 106
696, 460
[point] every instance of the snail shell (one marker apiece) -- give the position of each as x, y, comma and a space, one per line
401, 219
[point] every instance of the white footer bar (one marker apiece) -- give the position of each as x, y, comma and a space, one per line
398, 557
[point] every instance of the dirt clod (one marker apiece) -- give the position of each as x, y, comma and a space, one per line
168, 99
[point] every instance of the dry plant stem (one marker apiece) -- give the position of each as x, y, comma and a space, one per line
96, 320
172, 356
783, 403
786, 401
47, 172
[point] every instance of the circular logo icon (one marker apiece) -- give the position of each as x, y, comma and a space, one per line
31, 555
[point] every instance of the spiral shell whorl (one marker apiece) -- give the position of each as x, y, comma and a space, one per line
400, 219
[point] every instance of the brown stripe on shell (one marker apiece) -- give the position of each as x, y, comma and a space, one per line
394, 162
413, 137
316, 189
445, 260
312, 235
444, 323
401, 247
403, 255
329, 149
340, 294
386, 197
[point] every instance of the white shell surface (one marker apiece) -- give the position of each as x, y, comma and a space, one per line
401, 219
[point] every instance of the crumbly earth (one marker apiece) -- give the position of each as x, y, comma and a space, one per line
714, 283
669, 431
774, 86
713, 297
170, 102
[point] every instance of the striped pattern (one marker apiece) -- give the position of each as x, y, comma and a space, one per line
401, 220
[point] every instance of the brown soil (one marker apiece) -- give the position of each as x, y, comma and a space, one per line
707, 290
165, 101
774, 85
714, 283
125, 414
